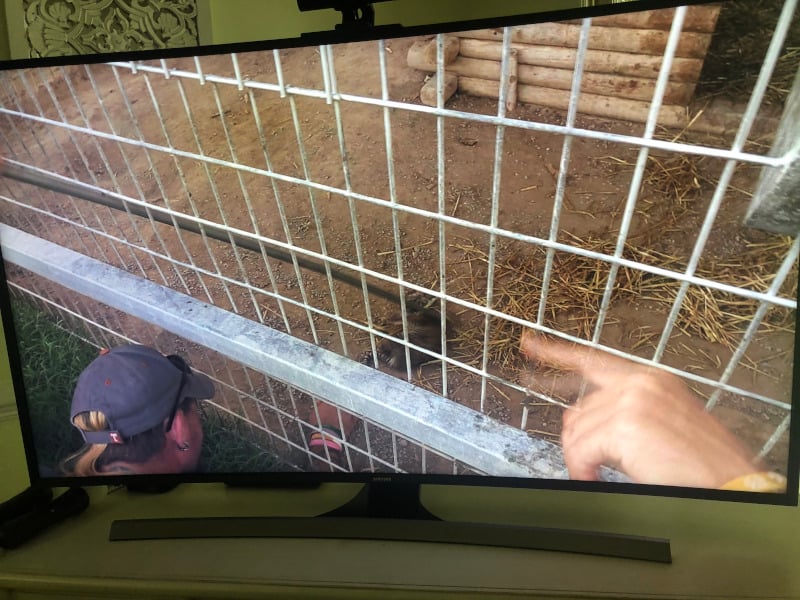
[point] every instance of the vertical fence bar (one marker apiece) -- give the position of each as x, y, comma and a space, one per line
641, 164
776, 435
164, 68
398, 250
198, 67
326, 78
440, 193
315, 213
275, 408
368, 444
267, 263
496, 174
237, 72
347, 442
337, 109
257, 229
561, 182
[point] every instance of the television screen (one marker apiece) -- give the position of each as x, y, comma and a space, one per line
547, 250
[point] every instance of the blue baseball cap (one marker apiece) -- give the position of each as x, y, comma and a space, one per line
136, 388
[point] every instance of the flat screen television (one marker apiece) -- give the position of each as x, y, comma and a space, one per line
552, 250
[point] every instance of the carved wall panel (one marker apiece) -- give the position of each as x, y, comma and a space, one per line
67, 27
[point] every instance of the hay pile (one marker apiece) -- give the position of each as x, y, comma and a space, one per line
578, 283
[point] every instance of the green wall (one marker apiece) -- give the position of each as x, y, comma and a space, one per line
5, 52
13, 471
6, 391
248, 20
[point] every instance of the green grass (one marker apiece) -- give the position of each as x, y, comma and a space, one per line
226, 447
52, 360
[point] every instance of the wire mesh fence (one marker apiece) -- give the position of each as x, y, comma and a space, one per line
309, 192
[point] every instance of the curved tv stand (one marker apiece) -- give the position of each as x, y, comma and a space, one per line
393, 511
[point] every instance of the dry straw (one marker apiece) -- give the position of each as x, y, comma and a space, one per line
576, 289
676, 193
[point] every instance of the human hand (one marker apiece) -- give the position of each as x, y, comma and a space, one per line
643, 421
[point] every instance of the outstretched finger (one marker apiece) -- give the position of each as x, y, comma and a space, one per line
597, 367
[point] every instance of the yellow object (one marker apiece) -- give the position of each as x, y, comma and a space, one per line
758, 482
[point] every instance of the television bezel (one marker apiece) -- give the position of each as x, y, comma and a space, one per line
290, 479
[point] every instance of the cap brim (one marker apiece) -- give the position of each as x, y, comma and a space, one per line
198, 386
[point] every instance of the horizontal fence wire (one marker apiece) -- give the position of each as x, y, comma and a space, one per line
308, 191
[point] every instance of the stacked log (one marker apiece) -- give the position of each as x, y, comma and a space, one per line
621, 64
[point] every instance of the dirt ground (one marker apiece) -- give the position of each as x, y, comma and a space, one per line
666, 223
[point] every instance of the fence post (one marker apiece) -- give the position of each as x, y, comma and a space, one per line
775, 205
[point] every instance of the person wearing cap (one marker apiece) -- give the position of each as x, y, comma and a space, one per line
137, 412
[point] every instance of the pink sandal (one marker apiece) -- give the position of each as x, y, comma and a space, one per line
330, 438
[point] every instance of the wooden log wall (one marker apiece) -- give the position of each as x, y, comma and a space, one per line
620, 67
